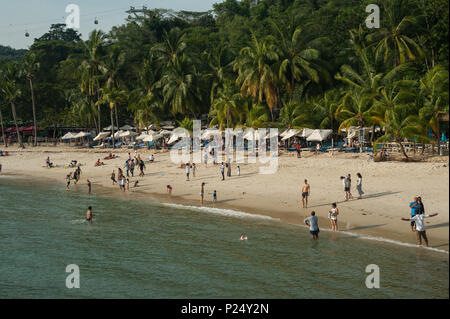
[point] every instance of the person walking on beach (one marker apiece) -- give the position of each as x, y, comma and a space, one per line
418, 219
298, 150
169, 190
188, 171
229, 169
215, 196
127, 167
238, 170
89, 186
113, 178
68, 178
347, 187
132, 166
202, 193
359, 186
306, 189
332, 215
317, 149
313, 223
222, 171
89, 215
194, 168
141, 168
415, 208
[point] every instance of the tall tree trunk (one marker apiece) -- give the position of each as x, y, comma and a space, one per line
402, 149
112, 126
34, 112
19, 137
438, 132
117, 115
99, 120
3, 129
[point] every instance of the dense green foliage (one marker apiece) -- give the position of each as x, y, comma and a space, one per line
284, 63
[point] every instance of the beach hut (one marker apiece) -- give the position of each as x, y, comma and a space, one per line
101, 136
127, 128
109, 128
319, 135
68, 136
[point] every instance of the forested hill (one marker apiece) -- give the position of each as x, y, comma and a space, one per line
284, 63
10, 54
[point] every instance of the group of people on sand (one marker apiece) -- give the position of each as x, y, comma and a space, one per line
75, 177
347, 183
417, 220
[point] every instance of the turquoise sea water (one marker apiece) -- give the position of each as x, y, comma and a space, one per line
137, 249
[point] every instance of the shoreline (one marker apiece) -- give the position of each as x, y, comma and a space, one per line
180, 203
265, 206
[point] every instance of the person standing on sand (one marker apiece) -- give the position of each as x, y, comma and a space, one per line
317, 149
188, 171
421, 206
222, 171
141, 168
420, 227
342, 178
215, 196
239, 170
205, 158
347, 187
169, 190
298, 150
359, 186
132, 165
414, 210
194, 169
89, 186
113, 178
202, 193
306, 190
229, 169
332, 215
313, 223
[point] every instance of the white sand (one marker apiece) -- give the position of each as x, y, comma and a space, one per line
389, 187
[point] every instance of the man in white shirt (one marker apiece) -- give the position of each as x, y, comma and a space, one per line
188, 170
420, 227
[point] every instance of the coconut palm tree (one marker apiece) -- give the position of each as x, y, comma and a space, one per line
9, 87
2, 127
434, 98
399, 125
257, 116
225, 108
112, 96
256, 75
90, 70
292, 116
354, 109
326, 107
30, 66
171, 48
394, 43
299, 59
179, 87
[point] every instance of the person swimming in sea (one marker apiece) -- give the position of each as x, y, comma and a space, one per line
89, 214
243, 237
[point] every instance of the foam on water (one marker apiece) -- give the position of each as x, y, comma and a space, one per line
240, 214
220, 211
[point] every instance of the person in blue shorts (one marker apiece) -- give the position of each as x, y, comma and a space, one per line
415, 208
313, 223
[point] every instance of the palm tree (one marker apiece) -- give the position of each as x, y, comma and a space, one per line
179, 87
257, 116
30, 66
111, 68
112, 96
434, 98
400, 124
293, 116
10, 89
225, 108
299, 59
2, 127
256, 75
354, 109
394, 42
326, 107
90, 68
171, 48
219, 65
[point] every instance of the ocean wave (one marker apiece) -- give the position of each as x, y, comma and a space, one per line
220, 211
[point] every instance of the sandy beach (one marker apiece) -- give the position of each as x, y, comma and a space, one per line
389, 187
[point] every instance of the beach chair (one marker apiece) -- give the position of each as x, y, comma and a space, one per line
118, 144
